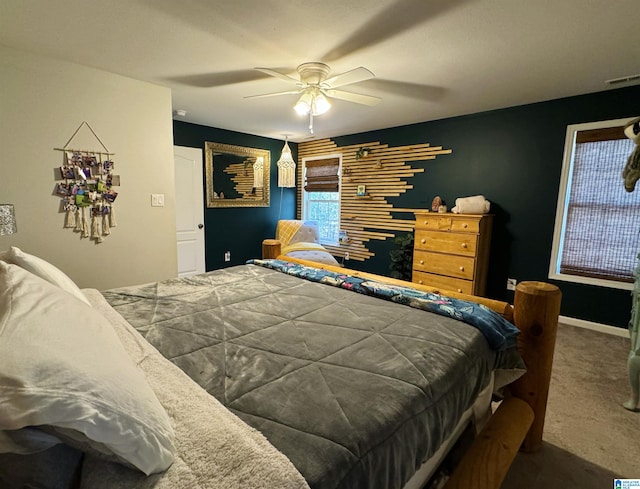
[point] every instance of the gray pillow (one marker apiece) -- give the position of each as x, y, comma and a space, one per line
55, 468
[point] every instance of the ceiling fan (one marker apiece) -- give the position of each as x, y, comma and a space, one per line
315, 88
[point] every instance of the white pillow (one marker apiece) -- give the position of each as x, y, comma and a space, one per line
63, 367
42, 269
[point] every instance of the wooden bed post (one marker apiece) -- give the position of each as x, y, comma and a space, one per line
536, 310
519, 420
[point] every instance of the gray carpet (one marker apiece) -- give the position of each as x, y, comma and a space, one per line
589, 438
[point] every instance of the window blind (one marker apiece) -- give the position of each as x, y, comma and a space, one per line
602, 229
602, 134
322, 175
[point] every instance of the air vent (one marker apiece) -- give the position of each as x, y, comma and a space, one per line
625, 80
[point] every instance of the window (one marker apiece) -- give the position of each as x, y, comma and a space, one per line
321, 195
597, 233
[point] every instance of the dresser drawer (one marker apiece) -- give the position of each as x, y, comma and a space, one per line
441, 264
449, 222
444, 283
456, 243
440, 223
465, 225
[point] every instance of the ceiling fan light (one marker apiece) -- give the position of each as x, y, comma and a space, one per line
304, 104
320, 104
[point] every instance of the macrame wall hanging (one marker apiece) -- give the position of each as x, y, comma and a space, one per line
85, 183
258, 172
286, 167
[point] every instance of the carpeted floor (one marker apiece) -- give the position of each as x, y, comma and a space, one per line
589, 438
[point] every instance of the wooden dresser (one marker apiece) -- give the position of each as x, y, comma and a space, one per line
451, 251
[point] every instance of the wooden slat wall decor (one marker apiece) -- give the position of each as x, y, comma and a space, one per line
385, 173
242, 177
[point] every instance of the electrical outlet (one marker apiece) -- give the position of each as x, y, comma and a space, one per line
227, 256
511, 284
346, 255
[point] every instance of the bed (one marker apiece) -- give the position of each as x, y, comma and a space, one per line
281, 374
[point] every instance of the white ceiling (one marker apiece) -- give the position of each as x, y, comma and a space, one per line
432, 58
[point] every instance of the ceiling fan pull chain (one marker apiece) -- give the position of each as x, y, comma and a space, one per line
311, 122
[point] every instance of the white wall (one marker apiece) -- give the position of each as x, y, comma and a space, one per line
42, 103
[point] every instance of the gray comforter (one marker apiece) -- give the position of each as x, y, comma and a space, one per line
355, 391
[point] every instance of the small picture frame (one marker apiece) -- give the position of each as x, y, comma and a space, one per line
113, 180
68, 203
63, 189
67, 172
74, 158
110, 196
361, 191
89, 160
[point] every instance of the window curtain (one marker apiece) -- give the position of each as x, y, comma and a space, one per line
602, 230
322, 175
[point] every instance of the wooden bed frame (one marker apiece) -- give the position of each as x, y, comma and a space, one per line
518, 422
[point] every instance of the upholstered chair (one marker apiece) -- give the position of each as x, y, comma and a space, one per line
300, 239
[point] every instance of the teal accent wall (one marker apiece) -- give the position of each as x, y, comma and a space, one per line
239, 230
513, 156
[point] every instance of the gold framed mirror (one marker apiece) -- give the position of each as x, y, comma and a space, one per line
236, 176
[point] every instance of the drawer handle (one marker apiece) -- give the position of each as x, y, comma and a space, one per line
420, 282
421, 262
462, 269
464, 225
423, 241
464, 245
426, 222
460, 290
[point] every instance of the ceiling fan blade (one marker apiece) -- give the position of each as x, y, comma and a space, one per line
277, 74
348, 77
274, 94
387, 24
418, 91
210, 80
358, 98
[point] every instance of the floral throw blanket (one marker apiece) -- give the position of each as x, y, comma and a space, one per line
499, 333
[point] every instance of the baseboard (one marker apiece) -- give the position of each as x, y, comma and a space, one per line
603, 328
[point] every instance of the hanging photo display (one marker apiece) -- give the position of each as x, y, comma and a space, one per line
88, 193
85, 183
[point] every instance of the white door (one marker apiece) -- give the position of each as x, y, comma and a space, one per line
189, 210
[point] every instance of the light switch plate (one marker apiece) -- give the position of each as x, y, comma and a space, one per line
157, 200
